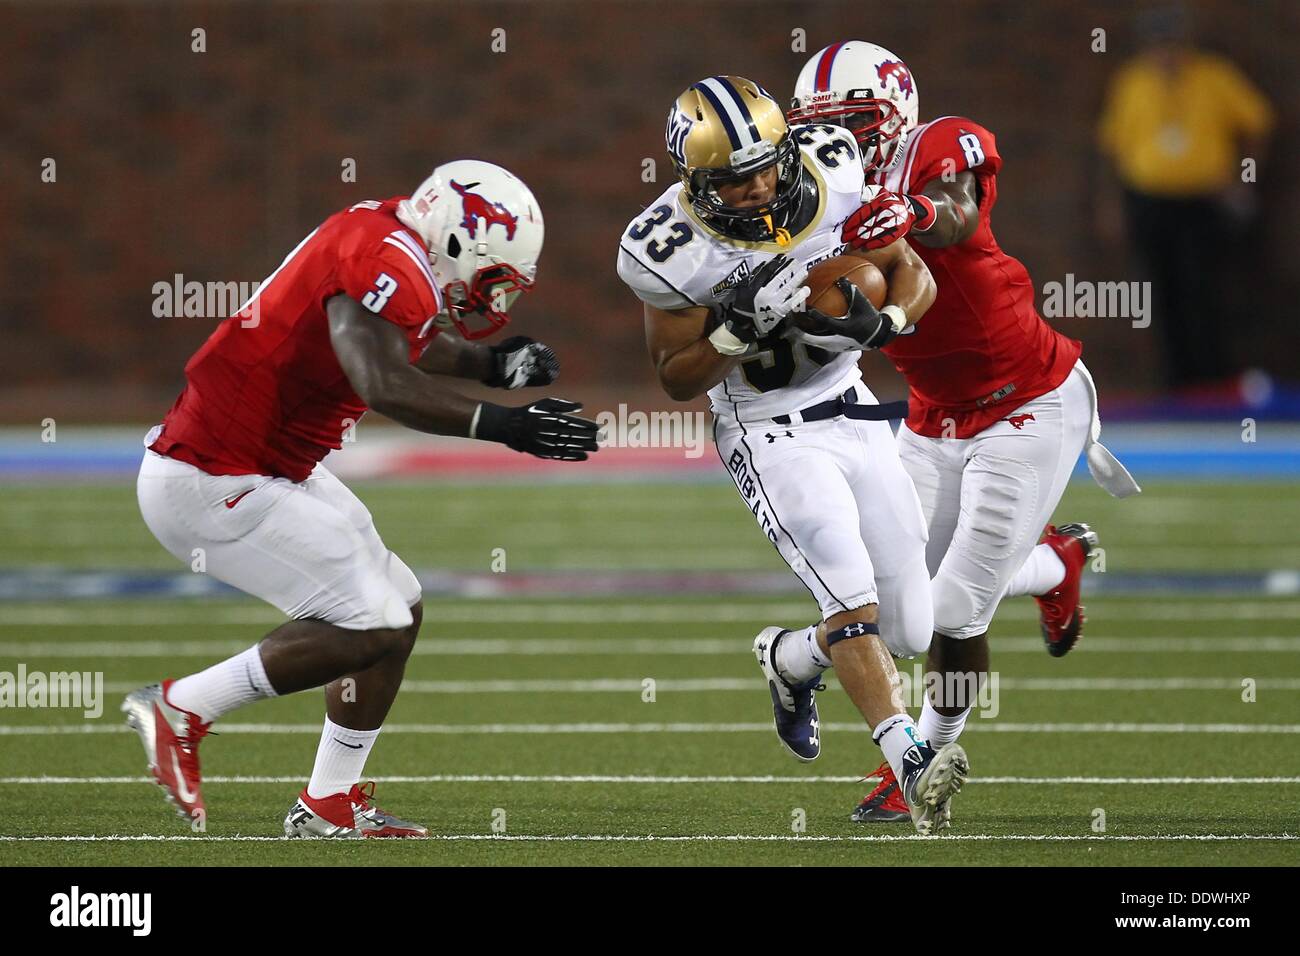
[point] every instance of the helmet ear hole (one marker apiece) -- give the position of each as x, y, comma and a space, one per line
453, 246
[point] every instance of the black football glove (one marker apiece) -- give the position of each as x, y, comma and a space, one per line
862, 327
758, 306
520, 361
545, 429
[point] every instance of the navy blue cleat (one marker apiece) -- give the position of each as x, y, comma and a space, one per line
794, 706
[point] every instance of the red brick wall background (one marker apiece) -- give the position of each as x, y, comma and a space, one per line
215, 164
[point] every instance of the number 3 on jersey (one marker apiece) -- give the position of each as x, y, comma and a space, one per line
377, 298
661, 249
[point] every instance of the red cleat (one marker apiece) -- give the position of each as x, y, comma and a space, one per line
1060, 614
885, 804
171, 739
347, 815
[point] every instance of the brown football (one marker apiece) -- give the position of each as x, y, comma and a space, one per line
827, 298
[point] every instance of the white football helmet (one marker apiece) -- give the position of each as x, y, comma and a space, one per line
865, 89
483, 229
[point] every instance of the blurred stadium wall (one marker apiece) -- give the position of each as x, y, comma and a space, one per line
213, 165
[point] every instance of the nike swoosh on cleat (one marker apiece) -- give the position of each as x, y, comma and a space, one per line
185, 792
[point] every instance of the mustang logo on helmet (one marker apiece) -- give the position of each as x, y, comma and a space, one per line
477, 207
898, 71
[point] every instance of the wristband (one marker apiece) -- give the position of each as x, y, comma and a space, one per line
489, 423
897, 317
725, 341
926, 214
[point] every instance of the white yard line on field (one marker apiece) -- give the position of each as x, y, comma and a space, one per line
47, 730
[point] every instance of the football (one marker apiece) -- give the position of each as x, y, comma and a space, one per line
825, 296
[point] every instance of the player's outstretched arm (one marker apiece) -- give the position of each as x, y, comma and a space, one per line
688, 363
513, 363
947, 213
375, 356
451, 355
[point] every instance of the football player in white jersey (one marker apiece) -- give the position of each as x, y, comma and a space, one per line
1000, 403
718, 261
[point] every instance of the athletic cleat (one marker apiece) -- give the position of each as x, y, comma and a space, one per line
345, 816
1059, 613
932, 779
794, 706
885, 804
171, 739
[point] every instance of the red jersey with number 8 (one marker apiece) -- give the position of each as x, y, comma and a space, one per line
266, 394
982, 349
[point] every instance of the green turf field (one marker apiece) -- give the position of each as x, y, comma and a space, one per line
531, 711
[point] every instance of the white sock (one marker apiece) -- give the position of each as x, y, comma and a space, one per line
223, 687
798, 658
896, 735
340, 759
1042, 571
937, 728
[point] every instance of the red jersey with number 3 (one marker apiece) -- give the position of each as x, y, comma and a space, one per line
266, 394
982, 349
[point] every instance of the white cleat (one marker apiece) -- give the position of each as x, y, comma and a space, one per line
930, 785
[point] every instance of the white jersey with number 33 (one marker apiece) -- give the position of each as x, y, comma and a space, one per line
672, 260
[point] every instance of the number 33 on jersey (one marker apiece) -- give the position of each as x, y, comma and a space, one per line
674, 259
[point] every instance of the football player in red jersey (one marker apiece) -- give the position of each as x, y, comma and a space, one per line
1000, 404
351, 320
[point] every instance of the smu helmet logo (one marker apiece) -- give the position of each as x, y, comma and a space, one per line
895, 69
477, 207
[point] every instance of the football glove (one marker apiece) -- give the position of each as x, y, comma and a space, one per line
545, 429
882, 219
521, 361
862, 327
759, 304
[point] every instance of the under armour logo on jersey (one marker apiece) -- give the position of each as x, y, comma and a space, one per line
478, 207
771, 438
1018, 421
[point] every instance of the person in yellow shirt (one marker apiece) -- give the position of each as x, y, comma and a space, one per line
1177, 126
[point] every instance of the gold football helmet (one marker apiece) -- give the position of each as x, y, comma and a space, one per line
725, 129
